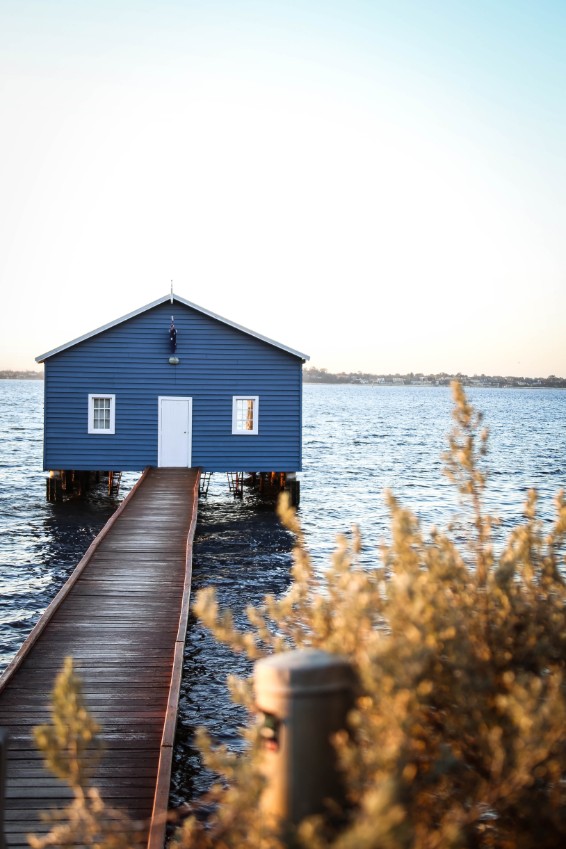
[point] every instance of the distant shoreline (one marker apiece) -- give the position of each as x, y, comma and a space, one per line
438, 385
21, 375
312, 375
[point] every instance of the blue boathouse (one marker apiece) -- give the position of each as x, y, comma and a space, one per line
172, 384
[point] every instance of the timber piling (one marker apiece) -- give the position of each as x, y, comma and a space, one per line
122, 616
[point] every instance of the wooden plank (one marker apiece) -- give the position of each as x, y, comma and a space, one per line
159, 814
122, 616
64, 591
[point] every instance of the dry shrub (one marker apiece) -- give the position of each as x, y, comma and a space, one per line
459, 729
71, 747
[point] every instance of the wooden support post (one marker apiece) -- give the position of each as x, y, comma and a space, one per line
71, 482
293, 487
54, 487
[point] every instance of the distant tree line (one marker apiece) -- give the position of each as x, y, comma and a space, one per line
21, 375
321, 375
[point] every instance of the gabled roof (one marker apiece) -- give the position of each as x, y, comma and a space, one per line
163, 300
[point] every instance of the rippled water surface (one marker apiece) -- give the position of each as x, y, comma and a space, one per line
361, 440
357, 442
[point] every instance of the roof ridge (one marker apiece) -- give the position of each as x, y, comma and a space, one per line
158, 302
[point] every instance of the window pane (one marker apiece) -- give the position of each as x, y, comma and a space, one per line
250, 415
101, 413
244, 414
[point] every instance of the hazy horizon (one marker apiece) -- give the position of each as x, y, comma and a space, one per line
488, 375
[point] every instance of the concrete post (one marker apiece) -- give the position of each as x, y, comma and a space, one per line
3, 747
304, 697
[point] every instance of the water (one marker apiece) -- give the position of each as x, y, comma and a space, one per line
361, 440
357, 442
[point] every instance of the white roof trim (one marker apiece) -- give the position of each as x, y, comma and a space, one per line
163, 300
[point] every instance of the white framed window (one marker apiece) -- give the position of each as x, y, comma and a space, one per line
101, 413
245, 414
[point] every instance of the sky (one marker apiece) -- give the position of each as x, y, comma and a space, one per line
378, 184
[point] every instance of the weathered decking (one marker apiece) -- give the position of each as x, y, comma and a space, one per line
122, 616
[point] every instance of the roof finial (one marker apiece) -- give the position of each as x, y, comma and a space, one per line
171, 291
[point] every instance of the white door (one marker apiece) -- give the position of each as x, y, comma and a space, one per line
175, 427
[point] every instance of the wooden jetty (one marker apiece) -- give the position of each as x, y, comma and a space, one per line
122, 616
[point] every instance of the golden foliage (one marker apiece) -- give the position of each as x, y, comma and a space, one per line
71, 747
458, 732
72, 732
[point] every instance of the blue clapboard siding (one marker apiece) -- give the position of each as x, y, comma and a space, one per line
130, 361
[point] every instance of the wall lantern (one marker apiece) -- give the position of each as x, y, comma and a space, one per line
173, 360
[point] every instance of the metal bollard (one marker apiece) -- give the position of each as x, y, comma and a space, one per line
304, 697
3, 747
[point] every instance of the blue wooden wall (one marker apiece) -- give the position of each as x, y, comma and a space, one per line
130, 360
